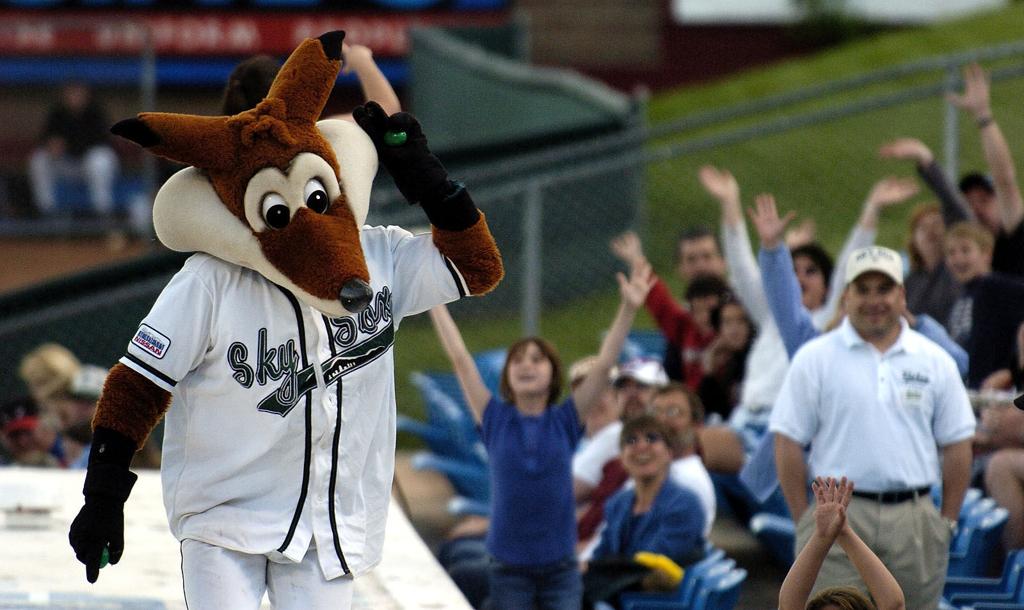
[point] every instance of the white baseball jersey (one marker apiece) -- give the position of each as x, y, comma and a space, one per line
282, 426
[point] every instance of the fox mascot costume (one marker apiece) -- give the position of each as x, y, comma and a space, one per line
271, 350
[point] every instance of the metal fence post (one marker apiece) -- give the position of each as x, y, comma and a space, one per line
532, 258
147, 85
951, 125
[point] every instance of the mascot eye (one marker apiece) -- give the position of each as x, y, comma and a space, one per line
316, 196
275, 211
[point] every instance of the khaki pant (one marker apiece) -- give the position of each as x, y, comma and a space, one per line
911, 539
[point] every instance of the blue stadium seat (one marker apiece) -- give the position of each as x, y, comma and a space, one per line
995, 606
721, 593
469, 479
490, 363
960, 591
644, 344
714, 562
971, 497
977, 542
72, 194
733, 497
452, 436
448, 418
777, 534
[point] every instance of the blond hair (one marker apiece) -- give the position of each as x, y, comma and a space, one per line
49, 370
972, 231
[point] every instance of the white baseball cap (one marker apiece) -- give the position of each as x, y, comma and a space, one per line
581, 368
874, 258
646, 371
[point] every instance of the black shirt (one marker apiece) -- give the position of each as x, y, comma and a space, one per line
80, 131
1008, 255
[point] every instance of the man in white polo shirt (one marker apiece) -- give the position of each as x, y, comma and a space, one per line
877, 403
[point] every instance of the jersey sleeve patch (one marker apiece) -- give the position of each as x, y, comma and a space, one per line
152, 341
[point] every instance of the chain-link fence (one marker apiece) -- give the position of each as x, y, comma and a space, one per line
553, 211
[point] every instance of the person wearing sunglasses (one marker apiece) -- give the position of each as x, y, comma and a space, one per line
653, 515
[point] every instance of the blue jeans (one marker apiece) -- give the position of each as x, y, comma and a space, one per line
552, 586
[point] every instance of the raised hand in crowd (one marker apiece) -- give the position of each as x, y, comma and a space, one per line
627, 248
887, 192
359, 60
722, 185
765, 216
907, 149
831, 498
634, 289
976, 98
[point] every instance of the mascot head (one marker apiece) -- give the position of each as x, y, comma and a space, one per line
270, 188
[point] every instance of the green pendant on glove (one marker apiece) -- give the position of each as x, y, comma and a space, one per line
395, 138
105, 557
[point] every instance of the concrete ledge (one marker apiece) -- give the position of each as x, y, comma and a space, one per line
39, 569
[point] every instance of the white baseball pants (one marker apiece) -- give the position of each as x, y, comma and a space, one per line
216, 578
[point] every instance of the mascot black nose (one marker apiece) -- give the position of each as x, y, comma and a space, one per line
355, 295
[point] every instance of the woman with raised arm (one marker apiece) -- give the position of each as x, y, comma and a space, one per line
831, 499
530, 439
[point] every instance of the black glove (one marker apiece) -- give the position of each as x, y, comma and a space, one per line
417, 172
99, 525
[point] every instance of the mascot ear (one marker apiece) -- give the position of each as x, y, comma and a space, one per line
306, 79
182, 201
201, 141
357, 162
136, 131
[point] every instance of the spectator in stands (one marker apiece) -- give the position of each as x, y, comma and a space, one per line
930, 287
49, 370
26, 438
250, 81
680, 410
985, 318
698, 253
996, 203
1001, 434
66, 391
464, 556
831, 500
874, 380
727, 447
634, 383
74, 143
530, 439
687, 330
725, 360
605, 411
654, 514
